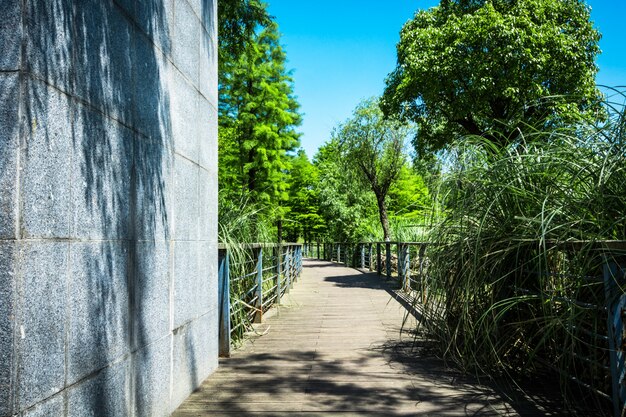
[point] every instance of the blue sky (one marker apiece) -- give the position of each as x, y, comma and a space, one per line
341, 51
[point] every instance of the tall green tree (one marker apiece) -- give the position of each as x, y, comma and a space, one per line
303, 218
345, 208
375, 148
258, 115
484, 66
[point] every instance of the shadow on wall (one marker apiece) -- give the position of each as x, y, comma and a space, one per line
98, 197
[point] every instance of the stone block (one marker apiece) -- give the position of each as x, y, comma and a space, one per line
207, 135
152, 379
104, 44
41, 321
153, 182
9, 148
208, 68
8, 254
187, 282
105, 394
101, 176
52, 407
155, 17
98, 321
152, 110
49, 41
185, 199
10, 34
46, 163
152, 301
195, 356
185, 46
207, 227
207, 12
184, 116
207, 282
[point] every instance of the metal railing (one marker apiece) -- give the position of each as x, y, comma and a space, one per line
597, 349
252, 282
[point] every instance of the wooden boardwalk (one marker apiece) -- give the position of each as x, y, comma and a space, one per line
335, 348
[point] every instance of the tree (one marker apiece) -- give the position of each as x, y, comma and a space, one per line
345, 208
303, 219
486, 67
258, 114
374, 146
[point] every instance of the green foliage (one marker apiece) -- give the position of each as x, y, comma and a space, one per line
303, 219
258, 115
478, 67
501, 270
374, 149
408, 196
346, 208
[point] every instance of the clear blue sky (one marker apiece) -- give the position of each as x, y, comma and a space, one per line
341, 51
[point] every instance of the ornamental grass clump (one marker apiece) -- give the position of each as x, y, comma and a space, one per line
515, 279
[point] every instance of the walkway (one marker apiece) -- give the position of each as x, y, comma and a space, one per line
335, 348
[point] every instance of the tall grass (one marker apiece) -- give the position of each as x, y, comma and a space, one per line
240, 224
509, 292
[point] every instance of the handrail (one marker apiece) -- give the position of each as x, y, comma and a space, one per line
249, 287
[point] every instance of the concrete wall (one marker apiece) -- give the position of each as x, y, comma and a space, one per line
108, 205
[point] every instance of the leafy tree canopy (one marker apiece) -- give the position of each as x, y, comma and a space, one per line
375, 148
485, 66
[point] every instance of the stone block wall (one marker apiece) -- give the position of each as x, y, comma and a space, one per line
108, 205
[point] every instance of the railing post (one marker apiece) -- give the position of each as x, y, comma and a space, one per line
338, 252
404, 266
279, 271
318, 250
362, 256
388, 258
422, 254
288, 268
379, 259
371, 268
224, 302
616, 308
259, 282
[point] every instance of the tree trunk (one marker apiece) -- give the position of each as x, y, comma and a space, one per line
384, 220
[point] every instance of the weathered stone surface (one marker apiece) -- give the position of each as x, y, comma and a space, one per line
52, 407
186, 120
9, 145
155, 17
207, 205
207, 123
186, 200
185, 45
194, 360
152, 298
105, 394
41, 321
153, 216
8, 265
49, 41
46, 163
105, 79
101, 177
10, 34
152, 109
208, 69
98, 320
186, 282
152, 379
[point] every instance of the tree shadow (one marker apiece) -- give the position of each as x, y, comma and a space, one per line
99, 156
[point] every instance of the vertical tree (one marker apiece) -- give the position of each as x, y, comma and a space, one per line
374, 146
258, 114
